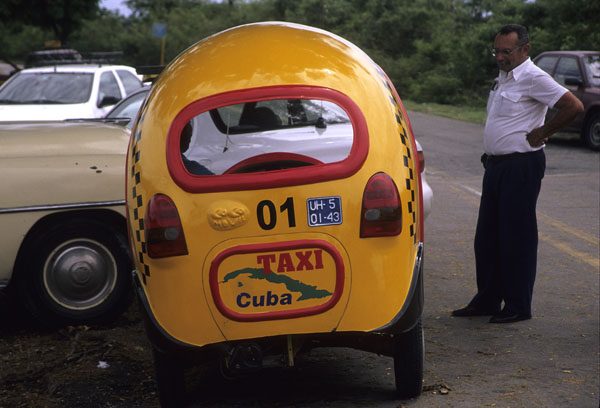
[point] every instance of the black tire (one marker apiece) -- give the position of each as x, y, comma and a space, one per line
170, 379
591, 133
408, 362
76, 272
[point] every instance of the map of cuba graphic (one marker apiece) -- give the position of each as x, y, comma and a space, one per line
244, 299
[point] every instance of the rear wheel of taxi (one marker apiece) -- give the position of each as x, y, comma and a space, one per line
170, 379
408, 362
76, 273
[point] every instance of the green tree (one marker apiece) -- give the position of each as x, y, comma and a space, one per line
63, 17
432, 50
560, 25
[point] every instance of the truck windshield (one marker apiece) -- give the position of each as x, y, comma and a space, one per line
47, 88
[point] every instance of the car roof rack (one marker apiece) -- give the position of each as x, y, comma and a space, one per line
63, 56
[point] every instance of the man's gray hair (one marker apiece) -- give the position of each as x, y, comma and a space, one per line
521, 31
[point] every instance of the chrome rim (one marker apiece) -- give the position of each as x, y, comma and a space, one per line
80, 274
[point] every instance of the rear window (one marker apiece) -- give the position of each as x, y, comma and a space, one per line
592, 68
287, 137
128, 108
265, 136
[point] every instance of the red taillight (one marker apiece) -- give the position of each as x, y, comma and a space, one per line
381, 213
162, 226
421, 158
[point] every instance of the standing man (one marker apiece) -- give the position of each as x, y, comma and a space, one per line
506, 237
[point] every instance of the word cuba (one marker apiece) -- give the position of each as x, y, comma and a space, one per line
270, 299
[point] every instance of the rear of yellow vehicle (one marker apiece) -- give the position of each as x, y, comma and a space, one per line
274, 205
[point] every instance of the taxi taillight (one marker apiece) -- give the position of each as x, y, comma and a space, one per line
381, 213
421, 158
163, 229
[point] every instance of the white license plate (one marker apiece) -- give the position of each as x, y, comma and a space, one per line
324, 211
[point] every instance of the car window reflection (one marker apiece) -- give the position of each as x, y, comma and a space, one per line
592, 65
266, 136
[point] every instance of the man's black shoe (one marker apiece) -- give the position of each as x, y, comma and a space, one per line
504, 317
472, 311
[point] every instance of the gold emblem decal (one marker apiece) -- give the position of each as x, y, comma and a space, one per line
226, 215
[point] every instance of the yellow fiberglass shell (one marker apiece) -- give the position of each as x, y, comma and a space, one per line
370, 277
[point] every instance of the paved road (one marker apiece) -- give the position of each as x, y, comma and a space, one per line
549, 361
552, 360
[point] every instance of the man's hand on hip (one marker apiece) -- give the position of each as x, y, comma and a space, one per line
537, 137
568, 107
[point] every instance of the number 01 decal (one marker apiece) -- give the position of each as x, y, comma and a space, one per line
266, 213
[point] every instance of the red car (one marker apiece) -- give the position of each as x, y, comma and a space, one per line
579, 71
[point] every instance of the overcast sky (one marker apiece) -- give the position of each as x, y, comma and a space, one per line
115, 5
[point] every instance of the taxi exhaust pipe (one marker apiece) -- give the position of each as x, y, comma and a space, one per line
242, 359
247, 358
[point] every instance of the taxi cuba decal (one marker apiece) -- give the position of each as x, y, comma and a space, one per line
277, 280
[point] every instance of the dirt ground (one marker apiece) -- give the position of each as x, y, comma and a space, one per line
111, 366
63, 367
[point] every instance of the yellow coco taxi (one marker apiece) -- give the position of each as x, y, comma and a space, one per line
274, 204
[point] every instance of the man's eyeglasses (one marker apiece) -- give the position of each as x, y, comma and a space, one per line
505, 52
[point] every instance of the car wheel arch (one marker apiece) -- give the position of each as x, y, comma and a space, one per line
108, 217
593, 113
110, 221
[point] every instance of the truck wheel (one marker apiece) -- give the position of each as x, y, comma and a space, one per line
170, 379
408, 362
75, 273
591, 133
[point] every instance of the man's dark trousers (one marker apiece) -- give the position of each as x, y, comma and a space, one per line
506, 238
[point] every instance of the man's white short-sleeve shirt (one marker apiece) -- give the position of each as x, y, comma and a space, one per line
517, 104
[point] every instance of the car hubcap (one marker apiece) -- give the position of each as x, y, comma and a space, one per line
80, 274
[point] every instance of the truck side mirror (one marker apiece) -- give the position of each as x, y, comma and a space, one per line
108, 101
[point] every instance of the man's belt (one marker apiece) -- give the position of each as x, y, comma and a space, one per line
495, 159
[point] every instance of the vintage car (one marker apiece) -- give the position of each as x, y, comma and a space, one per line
274, 202
63, 243
129, 106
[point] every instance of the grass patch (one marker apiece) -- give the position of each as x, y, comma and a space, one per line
468, 113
